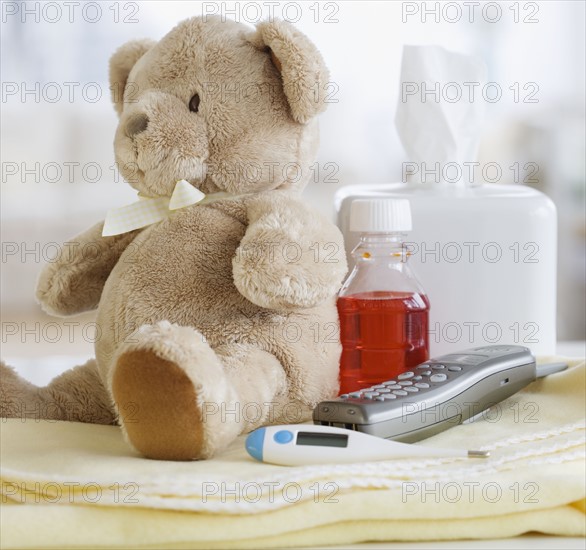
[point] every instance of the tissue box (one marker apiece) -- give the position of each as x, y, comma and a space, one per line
485, 255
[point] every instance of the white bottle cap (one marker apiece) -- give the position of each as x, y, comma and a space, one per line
380, 215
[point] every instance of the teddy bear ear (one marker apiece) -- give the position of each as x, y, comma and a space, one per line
302, 68
121, 63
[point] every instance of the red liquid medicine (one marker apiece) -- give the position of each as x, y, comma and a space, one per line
383, 310
383, 333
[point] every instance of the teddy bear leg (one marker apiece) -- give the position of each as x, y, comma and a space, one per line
183, 395
260, 384
76, 395
18, 397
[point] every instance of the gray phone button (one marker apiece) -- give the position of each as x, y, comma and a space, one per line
455, 369
400, 392
405, 383
438, 378
405, 375
422, 385
370, 394
411, 389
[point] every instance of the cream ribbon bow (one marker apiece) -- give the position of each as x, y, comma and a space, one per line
149, 210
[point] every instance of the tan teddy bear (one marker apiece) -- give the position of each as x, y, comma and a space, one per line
219, 316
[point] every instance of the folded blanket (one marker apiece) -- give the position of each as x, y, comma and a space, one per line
70, 485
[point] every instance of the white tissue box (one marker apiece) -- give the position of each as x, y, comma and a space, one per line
486, 257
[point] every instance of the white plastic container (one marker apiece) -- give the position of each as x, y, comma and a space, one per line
486, 256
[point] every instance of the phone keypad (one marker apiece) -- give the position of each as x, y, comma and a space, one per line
421, 378
387, 397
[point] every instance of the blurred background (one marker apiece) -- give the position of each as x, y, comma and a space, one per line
57, 126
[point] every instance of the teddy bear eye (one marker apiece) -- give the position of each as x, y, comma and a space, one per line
194, 103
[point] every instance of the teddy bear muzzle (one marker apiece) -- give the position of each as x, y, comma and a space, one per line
160, 141
136, 124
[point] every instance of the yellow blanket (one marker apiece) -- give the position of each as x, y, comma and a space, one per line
69, 485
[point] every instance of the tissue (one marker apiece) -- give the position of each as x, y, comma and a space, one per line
484, 252
440, 114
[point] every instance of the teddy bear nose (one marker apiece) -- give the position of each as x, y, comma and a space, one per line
136, 124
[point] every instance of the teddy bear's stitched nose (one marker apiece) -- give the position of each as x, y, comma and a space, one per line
136, 124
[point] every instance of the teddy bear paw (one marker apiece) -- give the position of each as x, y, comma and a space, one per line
161, 384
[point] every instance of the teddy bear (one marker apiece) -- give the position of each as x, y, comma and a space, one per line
215, 292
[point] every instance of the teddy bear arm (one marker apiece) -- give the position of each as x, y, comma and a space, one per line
74, 281
289, 257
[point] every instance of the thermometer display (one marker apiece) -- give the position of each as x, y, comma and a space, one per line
322, 439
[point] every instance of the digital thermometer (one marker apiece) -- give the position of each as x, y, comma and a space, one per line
304, 444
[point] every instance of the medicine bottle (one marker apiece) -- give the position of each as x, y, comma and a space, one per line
383, 310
